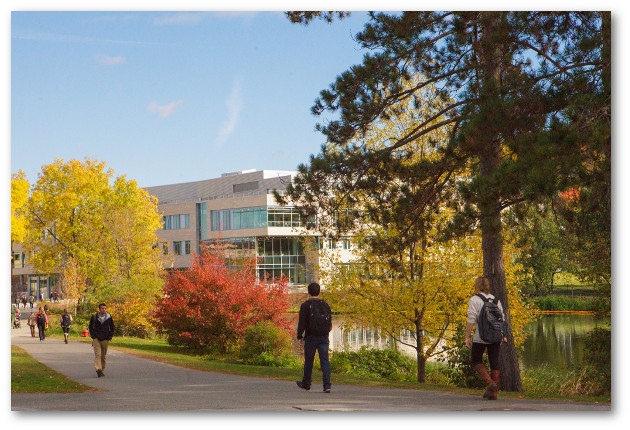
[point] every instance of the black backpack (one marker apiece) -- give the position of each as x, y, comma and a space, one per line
41, 319
490, 321
319, 318
65, 320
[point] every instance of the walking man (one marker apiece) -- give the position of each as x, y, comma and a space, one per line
315, 322
101, 331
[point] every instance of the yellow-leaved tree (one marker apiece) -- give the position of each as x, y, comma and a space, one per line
19, 198
407, 273
96, 230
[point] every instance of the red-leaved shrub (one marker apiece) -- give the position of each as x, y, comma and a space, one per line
210, 305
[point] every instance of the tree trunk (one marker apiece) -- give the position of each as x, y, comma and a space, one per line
489, 149
422, 377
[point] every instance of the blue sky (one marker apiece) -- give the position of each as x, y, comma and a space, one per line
167, 97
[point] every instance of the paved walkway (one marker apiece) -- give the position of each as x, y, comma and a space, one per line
135, 384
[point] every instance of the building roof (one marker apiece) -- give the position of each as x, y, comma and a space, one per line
229, 185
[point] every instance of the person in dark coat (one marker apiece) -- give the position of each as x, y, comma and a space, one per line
314, 338
101, 330
42, 323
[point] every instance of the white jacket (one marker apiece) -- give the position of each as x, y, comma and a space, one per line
474, 307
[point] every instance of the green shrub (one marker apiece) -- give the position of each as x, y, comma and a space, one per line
285, 360
265, 341
437, 373
597, 352
459, 370
563, 303
381, 363
553, 381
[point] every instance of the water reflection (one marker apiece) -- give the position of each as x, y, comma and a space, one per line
558, 340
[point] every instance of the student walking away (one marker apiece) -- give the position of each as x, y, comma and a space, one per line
32, 323
24, 302
314, 324
101, 331
485, 314
66, 322
17, 319
31, 301
42, 323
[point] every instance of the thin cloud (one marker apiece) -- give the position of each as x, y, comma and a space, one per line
69, 38
180, 19
164, 111
234, 105
109, 60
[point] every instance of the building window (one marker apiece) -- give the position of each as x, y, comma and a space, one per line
187, 247
177, 247
165, 248
175, 222
18, 260
237, 219
276, 256
256, 217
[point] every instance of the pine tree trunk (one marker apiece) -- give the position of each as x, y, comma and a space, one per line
489, 149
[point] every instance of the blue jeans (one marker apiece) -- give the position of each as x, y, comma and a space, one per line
319, 344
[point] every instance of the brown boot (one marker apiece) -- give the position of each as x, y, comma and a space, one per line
496, 378
491, 386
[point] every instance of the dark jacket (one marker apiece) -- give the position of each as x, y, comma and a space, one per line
101, 330
305, 310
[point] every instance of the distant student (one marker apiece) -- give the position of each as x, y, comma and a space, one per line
66, 322
42, 323
32, 323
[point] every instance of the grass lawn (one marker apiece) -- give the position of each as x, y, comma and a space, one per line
30, 376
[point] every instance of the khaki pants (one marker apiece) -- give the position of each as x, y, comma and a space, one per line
100, 352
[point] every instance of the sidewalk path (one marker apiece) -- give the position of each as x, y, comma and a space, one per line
135, 384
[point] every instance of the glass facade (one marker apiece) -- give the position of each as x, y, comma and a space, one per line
282, 256
256, 217
276, 256
202, 223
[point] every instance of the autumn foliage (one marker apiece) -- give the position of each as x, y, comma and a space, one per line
211, 305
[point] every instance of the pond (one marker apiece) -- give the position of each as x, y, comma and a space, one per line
558, 339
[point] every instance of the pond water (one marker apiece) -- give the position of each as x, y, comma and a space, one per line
556, 340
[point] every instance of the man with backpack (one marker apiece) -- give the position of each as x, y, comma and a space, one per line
488, 319
101, 329
314, 324
66, 322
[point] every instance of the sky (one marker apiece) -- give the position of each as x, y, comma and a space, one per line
169, 97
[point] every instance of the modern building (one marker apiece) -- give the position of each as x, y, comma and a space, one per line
240, 210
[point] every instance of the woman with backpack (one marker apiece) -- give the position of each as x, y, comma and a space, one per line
477, 310
66, 322
42, 323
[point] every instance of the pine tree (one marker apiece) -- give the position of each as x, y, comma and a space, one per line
527, 110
